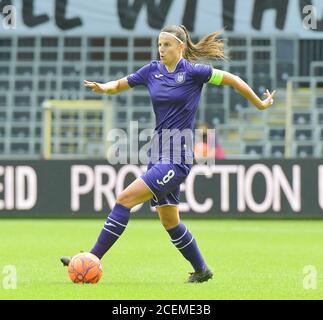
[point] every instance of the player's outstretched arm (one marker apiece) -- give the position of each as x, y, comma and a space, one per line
226, 78
111, 87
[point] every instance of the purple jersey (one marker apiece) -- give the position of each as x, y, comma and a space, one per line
175, 97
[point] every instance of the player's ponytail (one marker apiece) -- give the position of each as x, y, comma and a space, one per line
209, 47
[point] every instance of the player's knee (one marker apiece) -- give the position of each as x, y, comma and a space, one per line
169, 223
166, 225
125, 200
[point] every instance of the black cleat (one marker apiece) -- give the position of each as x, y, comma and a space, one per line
65, 261
200, 275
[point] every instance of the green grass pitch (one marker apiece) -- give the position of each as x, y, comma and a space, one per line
252, 259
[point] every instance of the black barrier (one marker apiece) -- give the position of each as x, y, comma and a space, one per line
280, 188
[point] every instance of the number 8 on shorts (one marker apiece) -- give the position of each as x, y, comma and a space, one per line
170, 174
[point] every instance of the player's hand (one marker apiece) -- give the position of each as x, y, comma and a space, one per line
95, 86
268, 101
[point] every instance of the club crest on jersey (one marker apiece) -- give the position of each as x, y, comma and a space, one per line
180, 77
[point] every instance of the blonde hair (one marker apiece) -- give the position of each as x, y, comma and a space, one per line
209, 47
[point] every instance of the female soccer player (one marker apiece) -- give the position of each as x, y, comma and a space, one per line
174, 84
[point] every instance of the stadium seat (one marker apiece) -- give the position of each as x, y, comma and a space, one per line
284, 71
50, 84
122, 117
2, 117
49, 56
118, 71
320, 118
302, 118
261, 84
238, 54
277, 134
24, 70
3, 101
72, 42
4, 85
141, 101
45, 70
5, 56
94, 71
21, 116
214, 94
236, 41
4, 70
5, 42
305, 151
71, 85
237, 102
214, 116
319, 102
49, 42
142, 117
261, 70
254, 150
277, 151
38, 132
19, 148
26, 42
303, 134
121, 100
240, 71
20, 132
70, 71
24, 86
24, 100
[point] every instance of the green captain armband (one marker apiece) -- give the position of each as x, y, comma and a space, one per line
216, 77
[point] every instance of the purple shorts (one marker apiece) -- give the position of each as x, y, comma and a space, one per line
164, 182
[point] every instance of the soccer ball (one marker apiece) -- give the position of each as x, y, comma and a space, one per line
85, 267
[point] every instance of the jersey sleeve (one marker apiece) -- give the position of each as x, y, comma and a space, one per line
140, 77
202, 72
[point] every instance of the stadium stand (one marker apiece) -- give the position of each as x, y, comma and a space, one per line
36, 69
